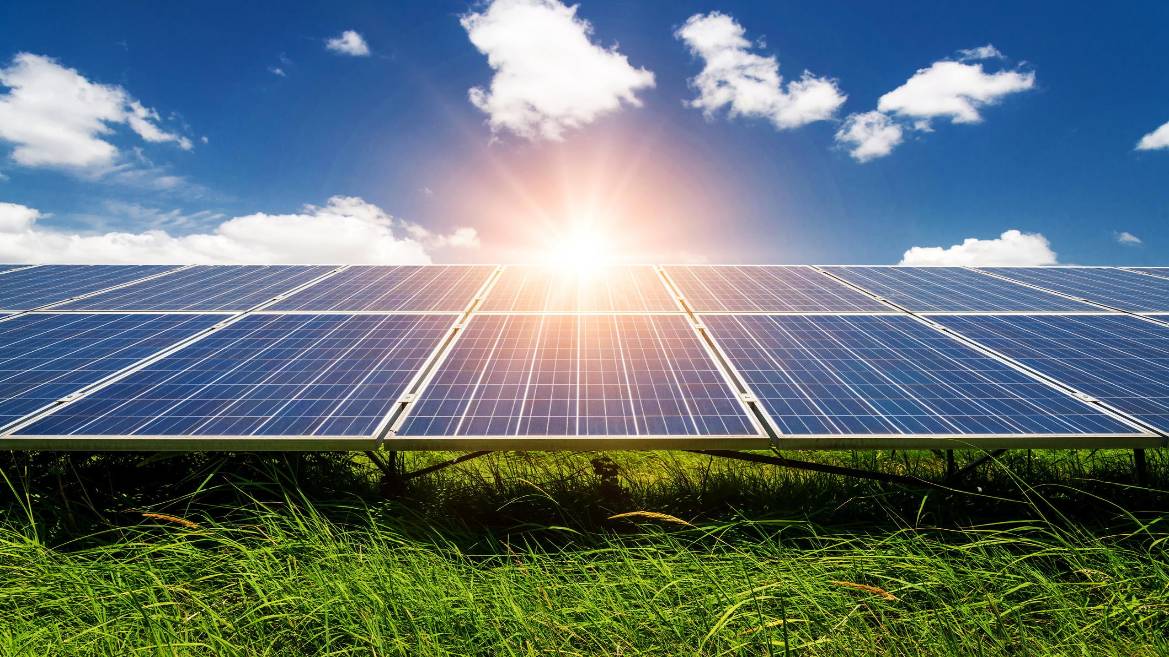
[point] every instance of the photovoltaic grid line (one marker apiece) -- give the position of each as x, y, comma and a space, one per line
223, 322
1115, 289
928, 320
265, 375
405, 288
48, 285
203, 288
4, 269
1161, 272
891, 375
1118, 359
46, 357
411, 393
951, 289
582, 375
766, 289
608, 289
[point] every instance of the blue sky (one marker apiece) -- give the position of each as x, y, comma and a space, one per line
416, 164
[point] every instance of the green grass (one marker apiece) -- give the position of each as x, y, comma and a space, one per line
518, 554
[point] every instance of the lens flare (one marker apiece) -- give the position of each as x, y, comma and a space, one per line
582, 245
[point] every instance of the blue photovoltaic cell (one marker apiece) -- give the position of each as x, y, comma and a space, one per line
840, 375
265, 375
1118, 359
767, 289
941, 289
1163, 272
618, 288
1117, 288
32, 288
411, 288
584, 375
206, 288
4, 268
45, 357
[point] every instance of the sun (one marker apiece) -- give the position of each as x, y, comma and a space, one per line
581, 245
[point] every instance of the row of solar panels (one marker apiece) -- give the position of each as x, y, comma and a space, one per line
755, 289
322, 357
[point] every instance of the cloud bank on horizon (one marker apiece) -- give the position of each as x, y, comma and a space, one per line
346, 230
1013, 248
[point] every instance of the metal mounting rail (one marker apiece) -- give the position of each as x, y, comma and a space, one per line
397, 415
746, 397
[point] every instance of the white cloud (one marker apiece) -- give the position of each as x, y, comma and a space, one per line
350, 43
1011, 249
1156, 139
1128, 239
953, 89
749, 84
345, 230
946, 89
55, 117
277, 71
869, 135
982, 52
549, 76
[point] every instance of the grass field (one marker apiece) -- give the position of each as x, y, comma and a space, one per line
580, 554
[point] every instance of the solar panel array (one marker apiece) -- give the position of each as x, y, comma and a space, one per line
952, 289
304, 357
404, 288
767, 289
26, 289
1116, 288
557, 289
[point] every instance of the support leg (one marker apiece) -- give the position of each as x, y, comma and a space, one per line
1138, 457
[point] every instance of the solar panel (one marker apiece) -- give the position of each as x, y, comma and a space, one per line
266, 375
583, 375
618, 288
942, 289
4, 268
1163, 272
44, 357
39, 286
891, 375
767, 289
413, 288
1117, 288
1118, 359
206, 288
